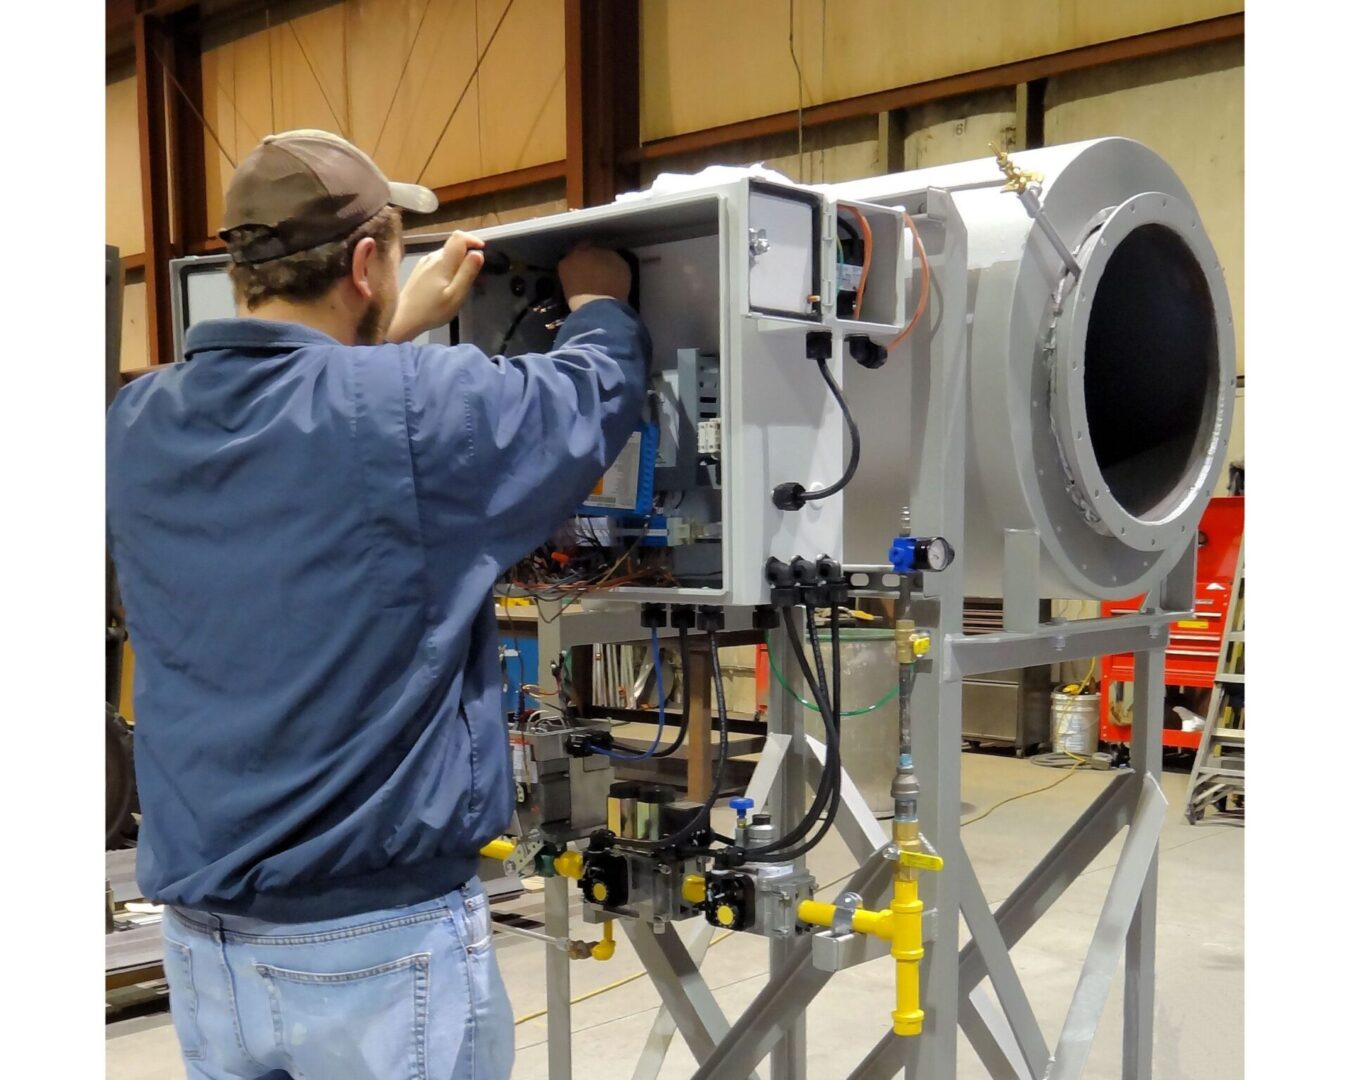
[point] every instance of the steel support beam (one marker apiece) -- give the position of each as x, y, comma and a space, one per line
558, 979
1141, 942
1055, 642
988, 941
990, 1035
664, 1027
151, 44
186, 131
601, 73
780, 1005
1061, 866
776, 1010
787, 719
682, 988
940, 361
1108, 941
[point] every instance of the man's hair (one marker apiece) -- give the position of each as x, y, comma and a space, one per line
305, 275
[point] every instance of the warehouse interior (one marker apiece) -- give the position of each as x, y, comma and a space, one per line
1032, 742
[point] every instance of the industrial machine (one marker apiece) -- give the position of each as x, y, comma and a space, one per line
1004, 378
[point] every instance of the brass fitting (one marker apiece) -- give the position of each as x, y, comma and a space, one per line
1018, 179
904, 641
910, 643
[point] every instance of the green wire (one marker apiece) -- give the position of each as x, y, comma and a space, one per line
773, 664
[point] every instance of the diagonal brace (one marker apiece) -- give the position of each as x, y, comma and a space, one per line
1108, 941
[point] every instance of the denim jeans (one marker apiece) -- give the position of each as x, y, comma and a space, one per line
411, 993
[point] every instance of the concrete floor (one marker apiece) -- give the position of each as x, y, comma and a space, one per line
1198, 1026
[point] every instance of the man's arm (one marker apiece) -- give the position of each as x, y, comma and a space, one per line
516, 443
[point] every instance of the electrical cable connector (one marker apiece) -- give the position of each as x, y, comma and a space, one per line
865, 351
682, 616
711, 618
653, 616
783, 591
834, 582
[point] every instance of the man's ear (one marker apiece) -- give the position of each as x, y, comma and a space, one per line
364, 256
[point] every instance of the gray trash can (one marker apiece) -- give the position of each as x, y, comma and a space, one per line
870, 739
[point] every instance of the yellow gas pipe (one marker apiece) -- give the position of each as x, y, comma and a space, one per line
901, 924
569, 865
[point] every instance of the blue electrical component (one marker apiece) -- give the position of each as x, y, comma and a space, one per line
741, 805
902, 554
910, 553
521, 653
629, 485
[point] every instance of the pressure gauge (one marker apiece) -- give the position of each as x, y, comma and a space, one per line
935, 554
909, 553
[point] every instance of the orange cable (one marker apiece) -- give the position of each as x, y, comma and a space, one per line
866, 231
923, 289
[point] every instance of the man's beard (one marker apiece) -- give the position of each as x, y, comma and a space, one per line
373, 324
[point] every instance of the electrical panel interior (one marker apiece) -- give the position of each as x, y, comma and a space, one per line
659, 507
732, 281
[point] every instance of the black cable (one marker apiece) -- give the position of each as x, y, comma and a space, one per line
831, 779
684, 725
700, 820
781, 850
855, 439
513, 327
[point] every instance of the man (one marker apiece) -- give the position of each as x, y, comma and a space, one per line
307, 518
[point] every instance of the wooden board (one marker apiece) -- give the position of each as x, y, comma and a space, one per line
135, 332
388, 75
125, 228
959, 129
830, 153
708, 62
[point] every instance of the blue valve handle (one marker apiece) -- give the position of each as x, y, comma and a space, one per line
903, 550
741, 804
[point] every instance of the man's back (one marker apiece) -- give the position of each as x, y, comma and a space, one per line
307, 535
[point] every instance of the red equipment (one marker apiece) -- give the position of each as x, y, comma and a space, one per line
1192, 655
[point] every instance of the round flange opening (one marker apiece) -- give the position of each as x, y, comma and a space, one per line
1150, 371
1142, 367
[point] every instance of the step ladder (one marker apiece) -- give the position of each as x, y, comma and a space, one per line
1219, 769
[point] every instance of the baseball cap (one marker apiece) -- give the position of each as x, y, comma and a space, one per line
309, 187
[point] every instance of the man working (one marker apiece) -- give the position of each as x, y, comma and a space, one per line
307, 519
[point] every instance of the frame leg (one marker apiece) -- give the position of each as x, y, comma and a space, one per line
557, 920
682, 988
989, 942
1141, 942
989, 1033
1108, 941
663, 1027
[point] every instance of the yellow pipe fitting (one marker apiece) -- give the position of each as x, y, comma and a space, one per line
569, 864
907, 951
604, 948
694, 889
497, 849
901, 924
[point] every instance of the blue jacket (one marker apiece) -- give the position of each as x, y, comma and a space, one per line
306, 536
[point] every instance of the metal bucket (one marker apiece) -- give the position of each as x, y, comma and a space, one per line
1074, 722
869, 740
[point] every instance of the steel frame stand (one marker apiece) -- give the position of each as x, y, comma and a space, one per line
1001, 1027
